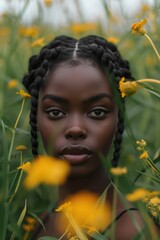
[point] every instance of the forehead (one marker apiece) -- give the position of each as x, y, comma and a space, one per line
83, 78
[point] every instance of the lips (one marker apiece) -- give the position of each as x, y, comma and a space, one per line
75, 154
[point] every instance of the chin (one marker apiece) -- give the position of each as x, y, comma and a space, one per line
80, 172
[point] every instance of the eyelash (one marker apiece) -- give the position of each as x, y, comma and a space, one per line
99, 109
60, 113
52, 110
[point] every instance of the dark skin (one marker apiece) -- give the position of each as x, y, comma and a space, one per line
77, 119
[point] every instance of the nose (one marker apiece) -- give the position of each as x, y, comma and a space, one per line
75, 129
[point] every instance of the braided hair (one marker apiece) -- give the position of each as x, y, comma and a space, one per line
67, 49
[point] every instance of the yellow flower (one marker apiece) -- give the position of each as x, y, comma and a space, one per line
23, 94
152, 202
136, 195
118, 171
38, 43
65, 207
113, 39
151, 195
141, 143
12, 83
25, 167
30, 224
31, 31
138, 27
155, 201
144, 155
85, 209
91, 230
83, 27
48, 2
21, 148
145, 7
74, 238
47, 170
127, 88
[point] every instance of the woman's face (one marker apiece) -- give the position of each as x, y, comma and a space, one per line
77, 116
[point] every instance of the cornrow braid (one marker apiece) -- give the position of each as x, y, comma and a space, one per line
108, 55
34, 105
67, 49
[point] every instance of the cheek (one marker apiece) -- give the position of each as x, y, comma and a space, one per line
49, 132
106, 133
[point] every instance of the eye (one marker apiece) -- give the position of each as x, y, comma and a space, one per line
98, 113
55, 113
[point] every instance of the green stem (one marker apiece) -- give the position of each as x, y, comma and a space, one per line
6, 171
75, 226
153, 46
114, 212
18, 183
153, 166
20, 113
148, 80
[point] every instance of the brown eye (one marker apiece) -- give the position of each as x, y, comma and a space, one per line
98, 113
55, 113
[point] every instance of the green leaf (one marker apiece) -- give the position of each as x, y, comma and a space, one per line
20, 220
39, 220
153, 92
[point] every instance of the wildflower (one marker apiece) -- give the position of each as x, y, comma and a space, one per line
141, 143
85, 210
21, 148
127, 88
12, 83
66, 207
29, 226
145, 7
144, 155
83, 27
138, 27
31, 31
47, 170
136, 195
25, 166
152, 202
113, 39
118, 171
48, 2
38, 43
151, 195
74, 238
23, 94
91, 230
155, 201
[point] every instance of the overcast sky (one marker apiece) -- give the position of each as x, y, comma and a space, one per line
92, 9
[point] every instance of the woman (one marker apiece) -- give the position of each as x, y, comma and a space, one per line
78, 110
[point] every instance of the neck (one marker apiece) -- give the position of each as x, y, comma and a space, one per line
95, 182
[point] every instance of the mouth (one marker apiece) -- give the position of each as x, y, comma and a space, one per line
75, 154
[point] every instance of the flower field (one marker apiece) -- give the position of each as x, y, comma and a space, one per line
25, 189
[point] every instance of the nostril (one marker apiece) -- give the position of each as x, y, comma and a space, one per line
73, 136
75, 133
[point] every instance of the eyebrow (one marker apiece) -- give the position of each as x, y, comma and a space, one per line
55, 98
91, 99
95, 98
